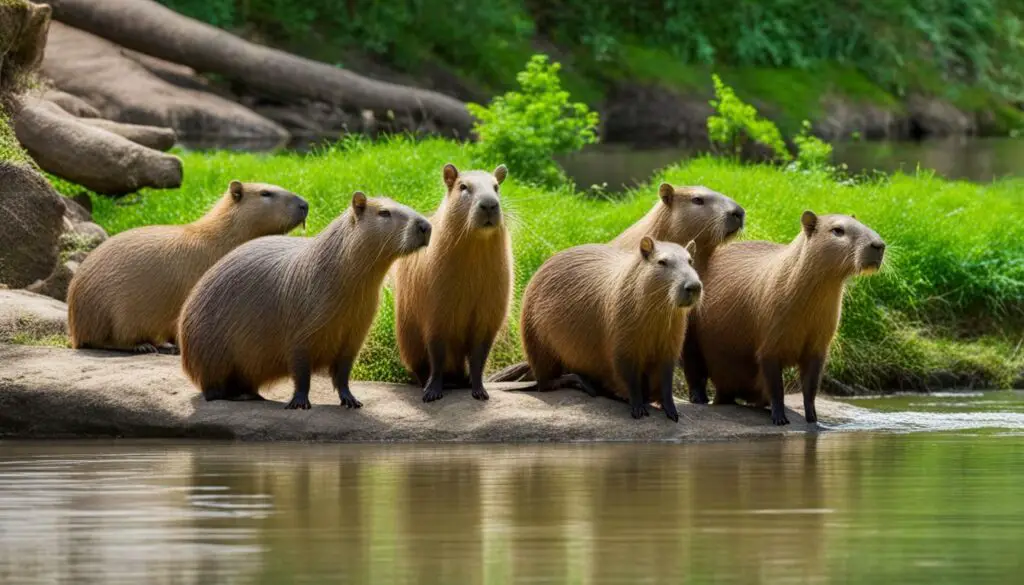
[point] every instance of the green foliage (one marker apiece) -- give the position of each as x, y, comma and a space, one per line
735, 122
954, 267
10, 149
524, 129
811, 151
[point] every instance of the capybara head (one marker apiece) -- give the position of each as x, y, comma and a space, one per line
668, 268
700, 214
265, 210
843, 244
473, 196
383, 223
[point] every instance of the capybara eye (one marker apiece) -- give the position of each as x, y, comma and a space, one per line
838, 232
266, 193
691, 261
495, 187
464, 187
384, 213
697, 200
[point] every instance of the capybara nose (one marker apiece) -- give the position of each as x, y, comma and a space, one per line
689, 293
734, 222
425, 229
490, 205
303, 206
878, 246
694, 288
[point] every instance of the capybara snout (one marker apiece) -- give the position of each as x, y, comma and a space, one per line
734, 220
688, 293
488, 211
422, 229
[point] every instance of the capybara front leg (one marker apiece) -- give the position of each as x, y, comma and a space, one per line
631, 378
301, 375
695, 368
771, 371
340, 371
477, 360
668, 401
810, 372
434, 389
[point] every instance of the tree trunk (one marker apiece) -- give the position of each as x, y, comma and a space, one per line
150, 28
92, 157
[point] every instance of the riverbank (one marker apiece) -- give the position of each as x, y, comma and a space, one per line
56, 392
946, 311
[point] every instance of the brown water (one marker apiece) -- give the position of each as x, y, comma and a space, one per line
980, 160
856, 507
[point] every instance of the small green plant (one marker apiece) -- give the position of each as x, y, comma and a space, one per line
736, 122
812, 152
525, 129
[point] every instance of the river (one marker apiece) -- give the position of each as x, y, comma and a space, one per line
871, 502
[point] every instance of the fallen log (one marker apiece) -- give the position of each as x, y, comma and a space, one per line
150, 28
73, 105
161, 139
122, 89
92, 157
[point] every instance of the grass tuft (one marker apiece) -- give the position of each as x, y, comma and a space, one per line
950, 299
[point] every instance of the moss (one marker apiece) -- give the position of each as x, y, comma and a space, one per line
41, 341
10, 149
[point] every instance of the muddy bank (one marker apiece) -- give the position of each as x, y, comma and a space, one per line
52, 392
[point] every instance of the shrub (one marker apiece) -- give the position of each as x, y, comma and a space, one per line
525, 129
812, 152
735, 122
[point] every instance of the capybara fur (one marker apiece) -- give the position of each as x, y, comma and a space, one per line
281, 306
687, 214
770, 306
452, 298
128, 292
611, 320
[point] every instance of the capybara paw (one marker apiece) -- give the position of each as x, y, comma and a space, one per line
299, 403
639, 411
146, 348
779, 418
672, 413
349, 401
432, 394
810, 415
481, 394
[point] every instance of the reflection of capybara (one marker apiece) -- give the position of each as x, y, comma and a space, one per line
611, 320
128, 293
452, 298
769, 306
685, 214
278, 305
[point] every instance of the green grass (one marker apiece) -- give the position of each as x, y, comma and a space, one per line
10, 150
950, 298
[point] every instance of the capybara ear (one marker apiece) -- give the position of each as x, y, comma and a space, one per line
666, 192
646, 246
451, 174
691, 248
359, 202
500, 173
809, 221
853, 216
236, 190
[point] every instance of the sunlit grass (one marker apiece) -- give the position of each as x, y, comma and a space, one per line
954, 273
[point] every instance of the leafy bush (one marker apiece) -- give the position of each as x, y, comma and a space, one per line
811, 151
735, 122
525, 129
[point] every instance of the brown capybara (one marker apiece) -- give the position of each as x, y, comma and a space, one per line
128, 292
452, 298
279, 305
681, 215
611, 320
687, 214
769, 306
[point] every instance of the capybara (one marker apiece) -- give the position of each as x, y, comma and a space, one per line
769, 306
128, 292
611, 320
279, 305
685, 214
452, 298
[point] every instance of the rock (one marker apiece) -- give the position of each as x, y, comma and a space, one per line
30, 314
31, 222
50, 392
71, 104
56, 285
843, 118
651, 115
87, 235
932, 117
122, 89
75, 211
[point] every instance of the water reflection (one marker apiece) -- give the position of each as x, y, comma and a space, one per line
912, 508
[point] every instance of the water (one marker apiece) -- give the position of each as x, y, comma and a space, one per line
858, 507
980, 160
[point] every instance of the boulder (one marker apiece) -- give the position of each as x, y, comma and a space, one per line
71, 104
53, 392
29, 314
56, 285
931, 117
31, 223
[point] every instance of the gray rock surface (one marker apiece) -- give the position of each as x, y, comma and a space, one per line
52, 392
30, 314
